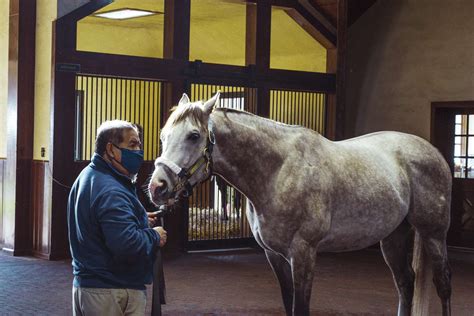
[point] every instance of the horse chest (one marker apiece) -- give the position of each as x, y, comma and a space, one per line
265, 232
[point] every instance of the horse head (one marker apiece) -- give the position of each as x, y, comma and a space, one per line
187, 140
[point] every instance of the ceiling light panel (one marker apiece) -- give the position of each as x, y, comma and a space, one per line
124, 14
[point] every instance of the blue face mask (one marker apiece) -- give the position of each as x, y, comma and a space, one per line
131, 159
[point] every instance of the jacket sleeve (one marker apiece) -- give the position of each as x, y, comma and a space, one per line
121, 227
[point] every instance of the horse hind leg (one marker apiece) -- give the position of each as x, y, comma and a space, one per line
282, 270
395, 249
432, 226
435, 248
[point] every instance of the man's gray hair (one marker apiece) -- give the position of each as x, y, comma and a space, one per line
112, 132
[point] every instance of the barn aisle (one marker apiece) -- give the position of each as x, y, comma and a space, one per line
233, 284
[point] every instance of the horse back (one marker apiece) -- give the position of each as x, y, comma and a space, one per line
374, 181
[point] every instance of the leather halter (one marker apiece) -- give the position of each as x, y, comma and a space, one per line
185, 174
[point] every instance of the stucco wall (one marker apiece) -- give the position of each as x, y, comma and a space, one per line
403, 55
46, 14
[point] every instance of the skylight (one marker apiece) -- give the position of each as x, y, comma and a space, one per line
123, 14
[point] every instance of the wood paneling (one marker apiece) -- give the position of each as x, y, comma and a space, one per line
41, 209
2, 185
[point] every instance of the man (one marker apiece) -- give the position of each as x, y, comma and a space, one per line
112, 245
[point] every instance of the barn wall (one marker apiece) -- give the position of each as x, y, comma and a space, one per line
403, 55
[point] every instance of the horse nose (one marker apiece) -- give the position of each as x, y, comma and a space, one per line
161, 188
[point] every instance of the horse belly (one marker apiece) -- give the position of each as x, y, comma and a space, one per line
354, 228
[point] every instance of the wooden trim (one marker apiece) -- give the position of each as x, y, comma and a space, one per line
452, 104
436, 108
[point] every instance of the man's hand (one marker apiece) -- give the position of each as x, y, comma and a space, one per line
152, 219
162, 233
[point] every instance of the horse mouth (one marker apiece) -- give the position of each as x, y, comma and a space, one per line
159, 201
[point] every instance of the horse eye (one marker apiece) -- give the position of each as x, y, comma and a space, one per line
194, 136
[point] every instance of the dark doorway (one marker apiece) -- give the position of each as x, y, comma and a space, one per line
452, 132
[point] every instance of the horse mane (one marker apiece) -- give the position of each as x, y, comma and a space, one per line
264, 119
195, 112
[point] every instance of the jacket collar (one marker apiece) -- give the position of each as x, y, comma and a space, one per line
99, 163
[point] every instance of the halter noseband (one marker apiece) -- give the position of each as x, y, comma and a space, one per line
185, 174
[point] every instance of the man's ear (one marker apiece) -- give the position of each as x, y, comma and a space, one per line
208, 107
109, 151
184, 99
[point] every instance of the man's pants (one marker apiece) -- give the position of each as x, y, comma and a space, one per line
99, 301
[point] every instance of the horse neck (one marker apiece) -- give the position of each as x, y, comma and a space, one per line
246, 152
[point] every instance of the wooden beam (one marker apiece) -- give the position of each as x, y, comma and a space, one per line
17, 221
251, 34
341, 67
331, 68
262, 54
176, 29
263, 35
315, 24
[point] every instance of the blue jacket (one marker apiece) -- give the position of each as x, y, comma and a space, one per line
111, 243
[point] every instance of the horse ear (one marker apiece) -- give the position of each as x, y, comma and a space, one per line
184, 99
211, 103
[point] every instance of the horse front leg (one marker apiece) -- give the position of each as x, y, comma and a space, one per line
282, 269
302, 260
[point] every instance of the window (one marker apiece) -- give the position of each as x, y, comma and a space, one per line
464, 146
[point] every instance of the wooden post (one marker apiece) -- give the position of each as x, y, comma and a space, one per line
341, 67
331, 66
17, 221
176, 46
257, 49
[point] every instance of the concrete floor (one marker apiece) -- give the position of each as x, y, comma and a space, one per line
241, 283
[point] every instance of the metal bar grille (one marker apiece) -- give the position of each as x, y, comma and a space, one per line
102, 98
216, 209
303, 108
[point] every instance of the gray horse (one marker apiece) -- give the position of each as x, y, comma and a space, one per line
307, 194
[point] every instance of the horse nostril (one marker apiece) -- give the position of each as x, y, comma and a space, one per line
161, 188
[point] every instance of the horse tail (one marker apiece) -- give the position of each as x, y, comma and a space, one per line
423, 276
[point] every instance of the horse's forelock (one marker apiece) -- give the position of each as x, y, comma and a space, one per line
180, 113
